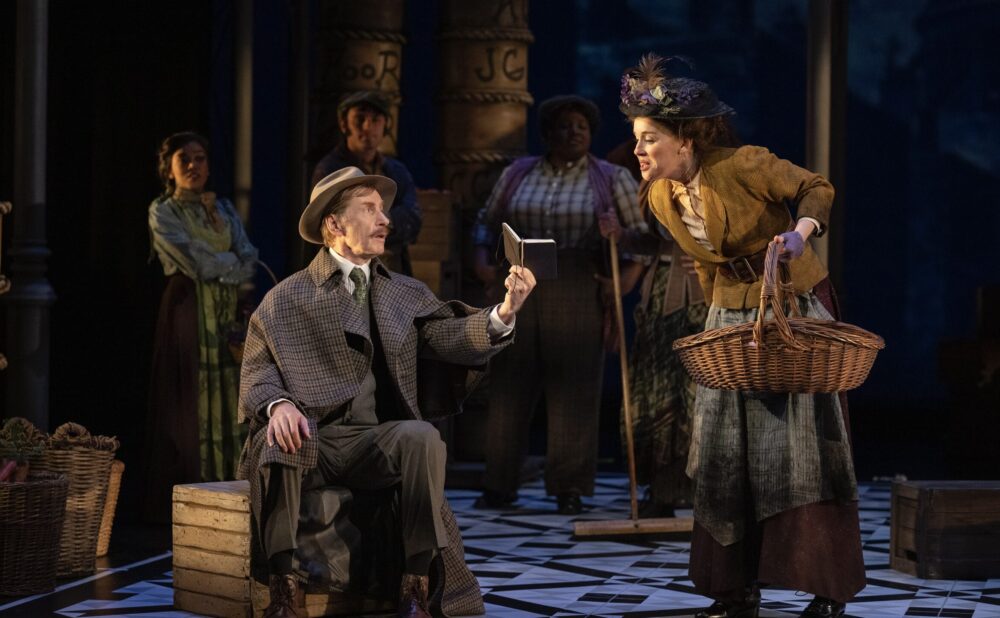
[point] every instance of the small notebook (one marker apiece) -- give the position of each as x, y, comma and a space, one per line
536, 254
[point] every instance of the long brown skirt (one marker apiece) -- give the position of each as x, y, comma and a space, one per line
172, 443
815, 548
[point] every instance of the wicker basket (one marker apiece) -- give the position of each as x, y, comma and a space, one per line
784, 354
29, 550
88, 471
110, 503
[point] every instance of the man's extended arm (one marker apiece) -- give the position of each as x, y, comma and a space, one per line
466, 340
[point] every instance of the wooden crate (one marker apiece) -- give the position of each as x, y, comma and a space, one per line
440, 277
439, 232
211, 547
946, 529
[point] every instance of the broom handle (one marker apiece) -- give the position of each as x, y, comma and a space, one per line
626, 395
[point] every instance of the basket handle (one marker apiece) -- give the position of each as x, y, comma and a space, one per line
776, 288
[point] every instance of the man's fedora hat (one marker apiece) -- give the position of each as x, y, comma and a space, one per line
328, 188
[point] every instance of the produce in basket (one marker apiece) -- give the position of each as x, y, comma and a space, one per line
7, 469
19, 441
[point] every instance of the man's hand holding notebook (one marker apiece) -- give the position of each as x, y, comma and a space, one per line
536, 254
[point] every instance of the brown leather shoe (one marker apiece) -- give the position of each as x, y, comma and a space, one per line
285, 598
413, 596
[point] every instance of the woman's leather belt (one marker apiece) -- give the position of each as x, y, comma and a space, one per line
745, 269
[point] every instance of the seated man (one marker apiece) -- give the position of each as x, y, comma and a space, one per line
364, 117
329, 383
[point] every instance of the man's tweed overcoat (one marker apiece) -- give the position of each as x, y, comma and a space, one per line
303, 347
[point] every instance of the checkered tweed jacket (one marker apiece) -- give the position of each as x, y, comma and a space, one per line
303, 347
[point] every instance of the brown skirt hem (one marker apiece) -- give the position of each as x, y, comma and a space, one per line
815, 548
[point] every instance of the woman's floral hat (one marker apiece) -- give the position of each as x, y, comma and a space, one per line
647, 91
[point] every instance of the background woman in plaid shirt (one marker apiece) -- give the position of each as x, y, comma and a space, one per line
558, 354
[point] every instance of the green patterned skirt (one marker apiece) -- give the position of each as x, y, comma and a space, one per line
220, 432
662, 395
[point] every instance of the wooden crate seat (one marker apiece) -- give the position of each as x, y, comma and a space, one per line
211, 558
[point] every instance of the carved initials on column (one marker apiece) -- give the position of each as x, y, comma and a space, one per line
388, 67
510, 6
510, 72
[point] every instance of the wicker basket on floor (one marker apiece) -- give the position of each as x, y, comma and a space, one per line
31, 516
110, 503
782, 354
86, 461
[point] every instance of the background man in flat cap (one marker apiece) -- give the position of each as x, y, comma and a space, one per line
329, 387
364, 118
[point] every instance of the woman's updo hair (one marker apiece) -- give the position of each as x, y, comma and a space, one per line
167, 149
704, 133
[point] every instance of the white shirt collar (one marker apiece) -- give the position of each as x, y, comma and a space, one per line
694, 185
346, 266
569, 165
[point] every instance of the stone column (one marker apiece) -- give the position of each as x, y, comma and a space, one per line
484, 96
30, 295
482, 116
359, 47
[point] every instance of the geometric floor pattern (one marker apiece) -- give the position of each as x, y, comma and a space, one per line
528, 566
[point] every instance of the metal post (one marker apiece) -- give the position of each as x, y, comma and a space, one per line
243, 139
298, 128
826, 86
31, 295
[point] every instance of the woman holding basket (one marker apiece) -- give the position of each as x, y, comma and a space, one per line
775, 495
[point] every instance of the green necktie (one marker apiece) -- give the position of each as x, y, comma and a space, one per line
360, 286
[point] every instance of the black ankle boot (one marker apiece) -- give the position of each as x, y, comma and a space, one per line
569, 503
822, 607
747, 608
495, 500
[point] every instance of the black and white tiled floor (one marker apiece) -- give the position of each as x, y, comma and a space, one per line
528, 565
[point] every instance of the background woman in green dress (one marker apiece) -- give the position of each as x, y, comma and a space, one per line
194, 433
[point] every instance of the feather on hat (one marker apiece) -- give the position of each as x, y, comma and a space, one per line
646, 90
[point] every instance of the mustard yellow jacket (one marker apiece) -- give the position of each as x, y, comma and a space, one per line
745, 191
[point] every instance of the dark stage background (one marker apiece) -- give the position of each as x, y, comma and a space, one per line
920, 196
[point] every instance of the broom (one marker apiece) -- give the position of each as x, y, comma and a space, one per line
616, 527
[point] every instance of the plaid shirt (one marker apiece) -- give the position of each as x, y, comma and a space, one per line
558, 203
